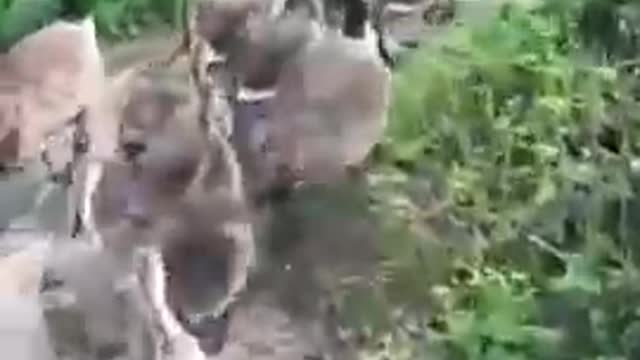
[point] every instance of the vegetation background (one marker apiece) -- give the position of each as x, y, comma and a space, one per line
116, 20
507, 184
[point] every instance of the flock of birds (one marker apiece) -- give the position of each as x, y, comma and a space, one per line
163, 186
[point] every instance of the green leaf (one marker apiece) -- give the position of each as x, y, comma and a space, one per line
580, 274
631, 339
108, 17
409, 150
26, 16
547, 191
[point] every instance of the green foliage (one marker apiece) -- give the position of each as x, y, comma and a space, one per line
21, 17
611, 26
122, 19
115, 19
508, 191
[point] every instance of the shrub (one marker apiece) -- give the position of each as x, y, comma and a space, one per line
115, 19
508, 188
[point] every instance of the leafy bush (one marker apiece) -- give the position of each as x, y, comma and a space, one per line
20, 17
115, 19
509, 191
121, 19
